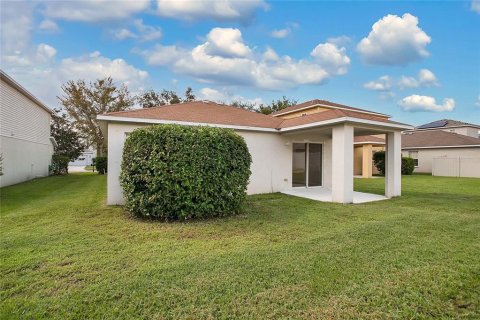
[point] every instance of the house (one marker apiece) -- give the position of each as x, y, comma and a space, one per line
307, 148
444, 147
25, 143
364, 148
85, 159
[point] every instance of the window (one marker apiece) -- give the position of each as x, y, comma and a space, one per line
414, 156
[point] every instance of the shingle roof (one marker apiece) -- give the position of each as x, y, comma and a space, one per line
322, 102
203, 112
438, 138
445, 123
214, 113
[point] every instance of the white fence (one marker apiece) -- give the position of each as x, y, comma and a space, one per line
456, 167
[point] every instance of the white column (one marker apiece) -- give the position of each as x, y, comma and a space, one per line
342, 164
393, 165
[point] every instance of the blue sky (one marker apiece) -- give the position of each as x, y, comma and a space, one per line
417, 61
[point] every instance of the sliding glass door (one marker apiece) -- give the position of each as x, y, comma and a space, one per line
307, 165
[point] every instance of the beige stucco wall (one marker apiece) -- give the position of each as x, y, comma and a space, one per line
300, 113
271, 159
425, 156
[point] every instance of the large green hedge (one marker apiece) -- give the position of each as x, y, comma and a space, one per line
174, 172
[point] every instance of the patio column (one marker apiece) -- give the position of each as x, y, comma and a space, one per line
367, 161
393, 165
342, 164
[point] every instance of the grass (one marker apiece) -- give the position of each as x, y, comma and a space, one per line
66, 255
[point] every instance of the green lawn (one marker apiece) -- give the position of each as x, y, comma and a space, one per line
66, 255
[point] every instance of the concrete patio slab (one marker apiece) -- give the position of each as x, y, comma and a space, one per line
325, 195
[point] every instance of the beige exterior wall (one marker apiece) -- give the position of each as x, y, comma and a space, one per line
358, 156
271, 159
300, 113
25, 137
425, 156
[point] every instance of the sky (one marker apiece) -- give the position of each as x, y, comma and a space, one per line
418, 61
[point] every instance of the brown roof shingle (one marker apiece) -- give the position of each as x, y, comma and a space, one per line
214, 113
438, 138
203, 112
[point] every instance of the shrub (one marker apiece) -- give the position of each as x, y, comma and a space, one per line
59, 164
408, 164
101, 163
174, 172
379, 161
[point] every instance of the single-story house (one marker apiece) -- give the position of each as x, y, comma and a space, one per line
451, 147
25, 142
365, 147
85, 158
307, 147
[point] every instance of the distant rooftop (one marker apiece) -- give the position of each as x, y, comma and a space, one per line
432, 139
445, 123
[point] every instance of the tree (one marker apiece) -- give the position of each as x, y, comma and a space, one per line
83, 102
69, 141
150, 98
277, 105
245, 105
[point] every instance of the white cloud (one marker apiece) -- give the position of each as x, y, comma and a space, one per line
93, 10
340, 41
283, 33
96, 66
142, 32
331, 58
48, 25
384, 83
394, 40
225, 96
226, 10
33, 73
45, 52
475, 6
280, 33
228, 60
226, 42
122, 34
477, 103
16, 25
416, 102
425, 78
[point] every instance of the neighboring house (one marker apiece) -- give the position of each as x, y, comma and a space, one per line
25, 142
443, 152
365, 147
85, 159
293, 148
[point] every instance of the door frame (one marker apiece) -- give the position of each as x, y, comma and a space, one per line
307, 152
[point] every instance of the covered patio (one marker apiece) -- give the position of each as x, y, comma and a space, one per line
324, 194
337, 164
